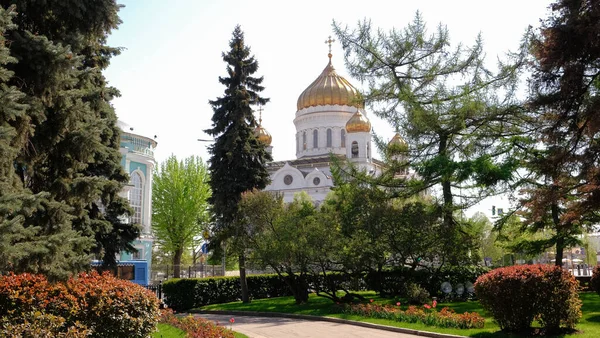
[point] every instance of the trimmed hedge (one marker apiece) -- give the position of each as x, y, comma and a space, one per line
100, 305
396, 282
595, 281
188, 293
517, 295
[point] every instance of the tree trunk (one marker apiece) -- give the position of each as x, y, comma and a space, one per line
560, 246
448, 209
560, 240
177, 263
243, 281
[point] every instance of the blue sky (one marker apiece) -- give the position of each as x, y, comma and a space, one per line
170, 66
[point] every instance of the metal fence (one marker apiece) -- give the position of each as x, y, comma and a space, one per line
156, 289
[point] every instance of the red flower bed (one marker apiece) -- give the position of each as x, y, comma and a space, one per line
427, 315
196, 327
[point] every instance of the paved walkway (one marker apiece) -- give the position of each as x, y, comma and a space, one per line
274, 327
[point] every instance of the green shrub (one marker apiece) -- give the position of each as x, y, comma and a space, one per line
416, 294
184, 294
595, 281
395, 281
517, 295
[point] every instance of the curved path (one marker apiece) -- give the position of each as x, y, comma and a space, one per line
277, 327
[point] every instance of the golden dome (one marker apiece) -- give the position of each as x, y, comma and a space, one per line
330, 89
358, 123
263, 135
397, 140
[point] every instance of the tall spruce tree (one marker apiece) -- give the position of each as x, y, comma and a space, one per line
238, 159
67, 164
453, 110
562, 194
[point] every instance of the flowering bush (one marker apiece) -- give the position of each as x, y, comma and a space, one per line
98, 305
40, 325
517, 295
413, 314
196, 327
595, 281
113, 307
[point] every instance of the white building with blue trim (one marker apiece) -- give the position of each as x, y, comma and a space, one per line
137, 159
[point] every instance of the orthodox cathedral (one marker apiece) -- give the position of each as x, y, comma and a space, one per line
330, 119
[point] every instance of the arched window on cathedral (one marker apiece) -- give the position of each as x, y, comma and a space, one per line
354, 149
343, 139
368, 151
135, 198
304, 141
329, 137
315, 139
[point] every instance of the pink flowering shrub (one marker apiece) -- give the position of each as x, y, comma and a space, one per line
417, 314
517, 295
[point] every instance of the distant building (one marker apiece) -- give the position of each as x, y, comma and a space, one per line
138, 161
330, 120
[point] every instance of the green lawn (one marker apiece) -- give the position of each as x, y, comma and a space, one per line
168, 331
589, 326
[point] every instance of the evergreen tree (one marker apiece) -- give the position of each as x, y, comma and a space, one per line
180, 193
238, 158
453, 110
563, 189
67, 162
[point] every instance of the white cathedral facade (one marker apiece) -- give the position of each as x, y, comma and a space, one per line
330, 119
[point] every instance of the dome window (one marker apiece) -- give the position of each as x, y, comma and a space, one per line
354, 149
304, 141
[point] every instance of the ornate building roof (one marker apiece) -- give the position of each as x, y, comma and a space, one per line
330, 89
358, 123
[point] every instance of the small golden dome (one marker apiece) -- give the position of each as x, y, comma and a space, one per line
263, 135
358, 123
397, 140
330, 89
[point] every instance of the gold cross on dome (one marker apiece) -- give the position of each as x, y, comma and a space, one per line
260, 109
329, 41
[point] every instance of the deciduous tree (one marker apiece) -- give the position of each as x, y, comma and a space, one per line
180, 209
